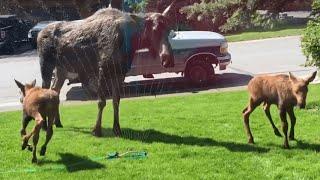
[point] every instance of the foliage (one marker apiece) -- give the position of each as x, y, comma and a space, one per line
198, 136
234, 15
311, 37
136, 5
316, 9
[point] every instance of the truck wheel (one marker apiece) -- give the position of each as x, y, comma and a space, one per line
199, 73
10, 48
33, 45
90, 89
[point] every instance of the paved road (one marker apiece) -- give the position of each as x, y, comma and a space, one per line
249, 58
278, 55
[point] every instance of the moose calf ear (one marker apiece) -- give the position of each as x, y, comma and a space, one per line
19, 84
33, 83
292, 77
311, 77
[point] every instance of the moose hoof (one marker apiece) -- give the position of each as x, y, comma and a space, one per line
43, 151
23, 132
30, 148
44, 126
277, 133
59, 125
34, 160
97, 132
291, 138
25, 145
286, 146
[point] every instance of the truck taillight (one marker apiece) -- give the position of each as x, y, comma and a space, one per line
2, 34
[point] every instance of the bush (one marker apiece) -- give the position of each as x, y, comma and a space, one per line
311, 37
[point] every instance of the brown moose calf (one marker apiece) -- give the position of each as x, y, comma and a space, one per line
285, 91
38, 104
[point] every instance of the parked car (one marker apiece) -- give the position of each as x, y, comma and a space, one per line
13, 33
196, 55
33, 32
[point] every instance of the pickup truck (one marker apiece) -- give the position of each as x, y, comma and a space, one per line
13, 33
196, 55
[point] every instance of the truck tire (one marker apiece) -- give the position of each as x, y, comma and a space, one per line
89, 92
199, 72
33, 44
90, 88
9, 49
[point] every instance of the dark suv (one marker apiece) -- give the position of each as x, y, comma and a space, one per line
13, 33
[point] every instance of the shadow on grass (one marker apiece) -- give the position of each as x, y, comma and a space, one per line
307, 146
74, 163
151, 136
153, 87
301, 145
313, 105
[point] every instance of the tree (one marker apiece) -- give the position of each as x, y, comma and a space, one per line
232, 15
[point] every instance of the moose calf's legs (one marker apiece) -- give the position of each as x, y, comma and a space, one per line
25, 121
293, 122
48, 136
246, 114
284, 122
267, 112
35, 139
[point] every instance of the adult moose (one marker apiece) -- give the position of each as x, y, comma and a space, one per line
101, 48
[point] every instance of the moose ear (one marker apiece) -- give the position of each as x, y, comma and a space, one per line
20, 85
168, 10
33, 83
311, 77
292, 77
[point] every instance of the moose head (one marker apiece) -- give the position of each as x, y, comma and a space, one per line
155, 35
24, 88
300, 88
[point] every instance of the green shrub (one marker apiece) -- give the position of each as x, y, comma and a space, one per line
311, 37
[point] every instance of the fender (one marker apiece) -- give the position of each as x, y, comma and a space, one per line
205, 56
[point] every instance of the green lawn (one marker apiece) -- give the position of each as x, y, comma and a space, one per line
197, 136
292, 30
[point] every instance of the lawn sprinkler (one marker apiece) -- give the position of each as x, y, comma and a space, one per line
129, 155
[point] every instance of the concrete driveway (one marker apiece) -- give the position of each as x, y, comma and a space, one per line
277, 55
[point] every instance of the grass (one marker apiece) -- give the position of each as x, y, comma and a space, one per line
288, 30
199, 136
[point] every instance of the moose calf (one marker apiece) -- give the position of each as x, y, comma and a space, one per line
38, 104
285, 91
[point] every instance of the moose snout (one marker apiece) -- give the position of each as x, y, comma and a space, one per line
167, 60
302, 106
